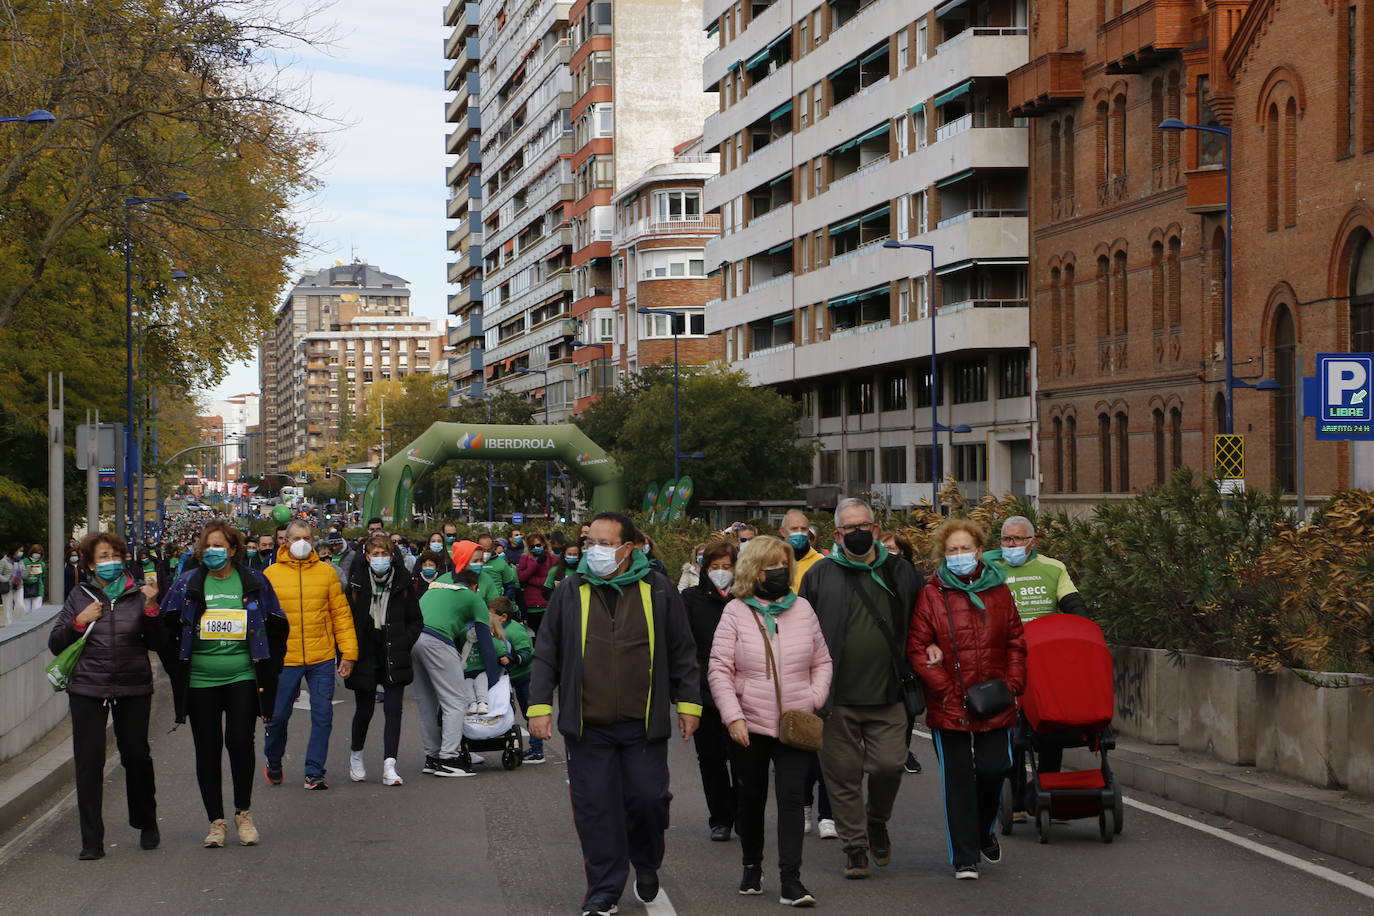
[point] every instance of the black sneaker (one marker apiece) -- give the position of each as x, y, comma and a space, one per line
600, 909
752, 882
431, 764
720, 833
966, 873
149, 837
794, 894
646, 885
451, 768
273, 773
856, 862
880, 843
533, 759
315, 782
913, 766
90, 855
992, 850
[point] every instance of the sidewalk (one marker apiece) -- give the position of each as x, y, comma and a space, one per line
1327, 820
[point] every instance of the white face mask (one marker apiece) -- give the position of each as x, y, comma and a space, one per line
486, 556
300, 549
601, 560
721, 578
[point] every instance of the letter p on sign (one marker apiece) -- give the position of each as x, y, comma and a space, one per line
1346, 383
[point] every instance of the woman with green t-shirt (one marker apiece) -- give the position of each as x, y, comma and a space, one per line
35, 578
232, 637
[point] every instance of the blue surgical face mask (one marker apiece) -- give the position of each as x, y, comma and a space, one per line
962, 564
1015, 556
475, 567
110, 570
429, 573
537, 551
799, 541
215, 557
252, 552
518, 541
380, 565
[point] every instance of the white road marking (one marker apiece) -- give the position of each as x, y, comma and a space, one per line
1302, 865
303, 702
661, 905
24, 837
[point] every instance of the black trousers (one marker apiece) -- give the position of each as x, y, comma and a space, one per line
224, 718
618, 782
815, 778
790, 768
392, 705
89, 716
972, 765
717, 780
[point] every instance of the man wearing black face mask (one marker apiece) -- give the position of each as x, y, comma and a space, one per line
863, 597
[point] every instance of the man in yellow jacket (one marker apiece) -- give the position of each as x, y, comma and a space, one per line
321, 633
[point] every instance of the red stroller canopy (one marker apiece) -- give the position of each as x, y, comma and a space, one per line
1068, 675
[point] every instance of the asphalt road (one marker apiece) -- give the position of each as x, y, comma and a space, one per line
503, 843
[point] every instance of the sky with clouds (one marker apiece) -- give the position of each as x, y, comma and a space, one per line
383, 192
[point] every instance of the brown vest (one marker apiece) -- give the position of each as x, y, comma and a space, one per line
616, 658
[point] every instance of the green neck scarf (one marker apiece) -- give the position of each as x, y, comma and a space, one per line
770, 611
839, 556
639, 568
990, 576
116, 589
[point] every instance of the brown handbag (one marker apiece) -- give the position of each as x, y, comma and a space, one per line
796, 728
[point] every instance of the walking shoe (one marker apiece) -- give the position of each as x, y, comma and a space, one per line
476, 760
600, 909
794, 894
246, 829
992, 850
90, 855
825, 829
482, 709
315, 781
752, 882
856, 862
880, 843
1018, 817
533, 758
273, 773
913, 766
357, 770
149, 837
218, 832
966, 873
806, 819
720, 833
450, 768
431, 764
646, 885
472, 709
389, 775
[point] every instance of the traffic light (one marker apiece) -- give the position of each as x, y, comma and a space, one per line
328, 473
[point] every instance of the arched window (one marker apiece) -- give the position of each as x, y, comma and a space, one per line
1056, 164
1119, 136
1123, 454
1156, 135
1056, 310
1121, 307
1219, 413
1362, 295
1104, 316
1063, 19
1271, 168
1173, 109
1066, 139
1104, 166
1158, 417
1285, 400
1070, 318
1175, 438
1104, 448
1071, 434
1058, 455
1216, 288
1157, 286
1290, 162
1173, 283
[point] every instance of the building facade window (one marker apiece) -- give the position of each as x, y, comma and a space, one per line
1158, 417
1362, 296
894, 391
970, 381
1175, 438
894, 464
1071, 452
1123, 454
860, 462
1058, 426
1104, 449
860, 396
1285, 400
1013, 381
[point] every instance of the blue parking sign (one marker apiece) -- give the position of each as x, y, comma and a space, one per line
1341, 396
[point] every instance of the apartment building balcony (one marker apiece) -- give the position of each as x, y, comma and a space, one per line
468, 330
468, 126
1049, 81
463, 16
464, 299
1206, 189
1135, 39
649, 227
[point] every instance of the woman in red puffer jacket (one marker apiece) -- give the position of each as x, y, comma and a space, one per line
968, 611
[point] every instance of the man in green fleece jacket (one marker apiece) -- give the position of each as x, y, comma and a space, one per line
616, 643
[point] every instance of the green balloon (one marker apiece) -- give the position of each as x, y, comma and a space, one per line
281, 514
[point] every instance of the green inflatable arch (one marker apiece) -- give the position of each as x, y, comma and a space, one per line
390, 493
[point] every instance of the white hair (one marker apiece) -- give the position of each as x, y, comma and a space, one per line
1020, 520
850, 503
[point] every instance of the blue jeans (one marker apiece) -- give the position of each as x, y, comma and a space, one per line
522, 696
319, 680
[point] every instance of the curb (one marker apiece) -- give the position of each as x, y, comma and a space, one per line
1322, 827
23, 793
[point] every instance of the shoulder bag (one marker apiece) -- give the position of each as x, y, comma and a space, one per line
908, 684
984, 699
59, 670
796, 728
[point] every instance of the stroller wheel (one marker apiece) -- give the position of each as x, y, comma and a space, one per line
1106, 824
509, 760
1119, 808
1042, 823
1005, 814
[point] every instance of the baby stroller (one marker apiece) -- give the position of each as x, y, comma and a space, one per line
494, 730
1069, 702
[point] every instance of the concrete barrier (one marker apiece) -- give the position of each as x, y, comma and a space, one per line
31, 707
1304, 729
1360, 729
1217, 711
1147, 682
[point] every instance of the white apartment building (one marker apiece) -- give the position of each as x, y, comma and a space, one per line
844, 125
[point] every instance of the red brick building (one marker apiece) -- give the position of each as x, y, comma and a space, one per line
1128, 231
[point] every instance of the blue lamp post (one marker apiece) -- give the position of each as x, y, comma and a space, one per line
37, 116
675, 317
548, 508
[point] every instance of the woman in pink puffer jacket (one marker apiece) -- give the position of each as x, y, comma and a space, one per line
742, 685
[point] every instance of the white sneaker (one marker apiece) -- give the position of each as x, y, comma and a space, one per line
472, 709
482, 709
389, 777
825, 829
356, 770
806, 819
477, 759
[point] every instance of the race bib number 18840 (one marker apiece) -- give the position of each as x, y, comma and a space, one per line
224, 625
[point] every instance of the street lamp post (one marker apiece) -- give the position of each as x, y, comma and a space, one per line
37, 116
130, 444
674, 317
548, 509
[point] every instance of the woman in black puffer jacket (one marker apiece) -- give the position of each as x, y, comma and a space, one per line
113, 678
705, 601
386, 617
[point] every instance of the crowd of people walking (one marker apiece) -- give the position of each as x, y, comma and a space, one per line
778, 657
